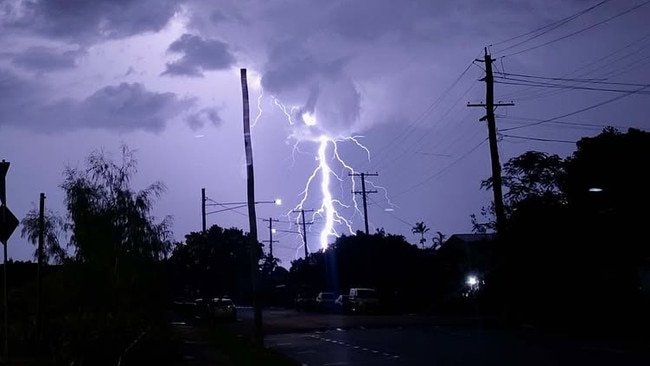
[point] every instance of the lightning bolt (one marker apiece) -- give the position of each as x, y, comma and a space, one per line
329, 208
259, 107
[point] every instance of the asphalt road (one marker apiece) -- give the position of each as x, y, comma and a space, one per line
327, 339
445, 345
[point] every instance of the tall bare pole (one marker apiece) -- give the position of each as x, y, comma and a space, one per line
492, 137
252, 218
39, 275
203, 209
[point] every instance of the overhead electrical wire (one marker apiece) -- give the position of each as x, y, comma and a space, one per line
530, 138
547, 28
441, 171
599, 104
629, 10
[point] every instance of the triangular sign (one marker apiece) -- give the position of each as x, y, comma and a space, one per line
8, 223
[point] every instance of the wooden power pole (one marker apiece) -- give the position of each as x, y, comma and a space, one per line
490, 106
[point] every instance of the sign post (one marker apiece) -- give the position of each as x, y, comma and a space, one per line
8, 223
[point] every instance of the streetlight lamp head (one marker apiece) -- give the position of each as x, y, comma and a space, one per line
278, 201
595, 189
472, 280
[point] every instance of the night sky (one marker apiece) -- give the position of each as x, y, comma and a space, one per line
162, 76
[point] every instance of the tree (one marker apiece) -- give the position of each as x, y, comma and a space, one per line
530, 177
420, 228
214, 263
438, 240
111, 288
54, 227
108, 219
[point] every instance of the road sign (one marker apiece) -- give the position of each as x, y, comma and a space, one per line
4, 167
8, 223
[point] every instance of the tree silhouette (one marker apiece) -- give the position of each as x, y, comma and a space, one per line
438, 240
54, 227
420, 228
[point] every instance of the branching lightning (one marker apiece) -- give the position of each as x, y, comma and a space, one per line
328, 209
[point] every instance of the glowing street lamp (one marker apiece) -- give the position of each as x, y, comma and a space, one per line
472, 280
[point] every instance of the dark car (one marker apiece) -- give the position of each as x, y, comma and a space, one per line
222, 309
325, 301
305, 302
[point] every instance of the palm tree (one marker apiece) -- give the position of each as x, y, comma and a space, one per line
420, 228
437, 241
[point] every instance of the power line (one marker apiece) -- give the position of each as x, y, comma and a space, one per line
564, 123
611, 100
441, 171
554, 24
537, 139
573, 87
585, 69
580, 30
591, 81
410, 129
550, 27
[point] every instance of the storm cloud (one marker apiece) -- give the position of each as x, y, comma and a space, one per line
198, 54
121, 108
85, 22
46, 59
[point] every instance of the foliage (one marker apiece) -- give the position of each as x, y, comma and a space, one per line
563, 240
420, 228
112, 288
54, 227
214, 263
108, 219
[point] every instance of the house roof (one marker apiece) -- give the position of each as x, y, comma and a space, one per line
472, 238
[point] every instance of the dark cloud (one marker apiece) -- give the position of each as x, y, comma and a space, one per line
45, 59
199, 54
291, 65
86, 21
124, 107
206, 116
130, 106
17, 97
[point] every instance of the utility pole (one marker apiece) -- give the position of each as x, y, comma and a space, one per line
364, 193
39, 276
252, 218
203, 209
490, 106
270, 241
304, 229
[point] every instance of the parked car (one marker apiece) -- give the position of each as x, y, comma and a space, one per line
342, 304
305, 302
364, 300
222, 308
325, 301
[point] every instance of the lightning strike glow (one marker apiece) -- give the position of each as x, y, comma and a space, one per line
310, 119
329, 206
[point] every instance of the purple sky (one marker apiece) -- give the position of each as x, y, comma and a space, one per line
162, 76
